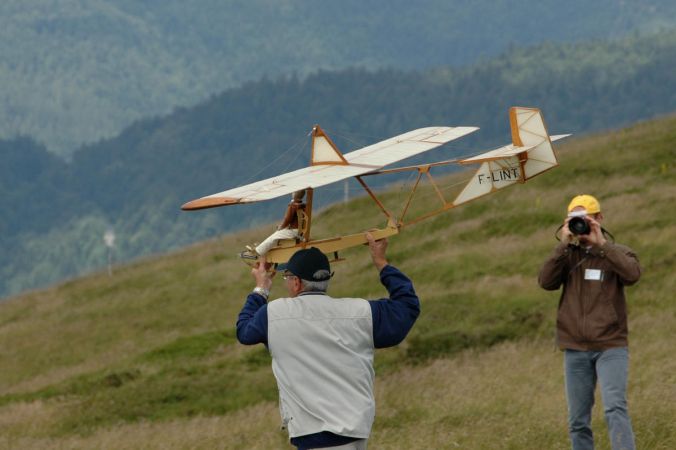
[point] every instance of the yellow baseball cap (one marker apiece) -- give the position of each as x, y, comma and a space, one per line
588, 202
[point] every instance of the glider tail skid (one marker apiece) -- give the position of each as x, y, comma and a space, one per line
530, 154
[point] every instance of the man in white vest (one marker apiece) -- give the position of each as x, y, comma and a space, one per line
322, 347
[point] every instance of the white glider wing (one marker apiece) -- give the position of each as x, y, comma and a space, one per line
329, 165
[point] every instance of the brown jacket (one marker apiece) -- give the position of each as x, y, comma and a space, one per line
592, 311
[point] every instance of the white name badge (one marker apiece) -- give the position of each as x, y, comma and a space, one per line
593, 274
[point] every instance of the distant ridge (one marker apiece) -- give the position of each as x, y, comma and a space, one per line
72, 76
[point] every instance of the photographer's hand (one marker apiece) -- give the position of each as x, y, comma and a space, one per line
595, 236
566, 235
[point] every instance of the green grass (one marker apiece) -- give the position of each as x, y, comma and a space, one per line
153, 348
196, 346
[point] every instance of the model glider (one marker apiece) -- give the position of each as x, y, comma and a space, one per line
530, 154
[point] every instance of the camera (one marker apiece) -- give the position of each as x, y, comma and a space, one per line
578, 225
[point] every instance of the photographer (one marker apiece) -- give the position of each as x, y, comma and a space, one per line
591, 322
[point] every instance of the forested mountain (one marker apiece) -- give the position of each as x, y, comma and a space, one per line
77, 71
55, 213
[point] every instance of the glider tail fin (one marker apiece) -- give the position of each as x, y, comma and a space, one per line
529, 130
530, 154
528, 126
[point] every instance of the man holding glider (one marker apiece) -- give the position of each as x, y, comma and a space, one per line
322, 347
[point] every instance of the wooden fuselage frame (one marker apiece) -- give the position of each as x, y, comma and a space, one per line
394, 224
283, 252
330, 246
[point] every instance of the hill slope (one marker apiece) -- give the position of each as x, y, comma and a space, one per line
77, 71
148, 358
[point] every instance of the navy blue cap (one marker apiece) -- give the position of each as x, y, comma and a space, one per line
306, 262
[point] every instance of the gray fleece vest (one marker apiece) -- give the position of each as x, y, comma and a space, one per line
322, 358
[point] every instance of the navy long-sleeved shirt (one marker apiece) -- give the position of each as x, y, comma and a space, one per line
392, 319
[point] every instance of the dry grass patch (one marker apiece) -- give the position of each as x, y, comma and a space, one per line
477, 400
28, 418
255, 428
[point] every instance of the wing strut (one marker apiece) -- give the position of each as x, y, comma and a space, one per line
309, 192
375, 199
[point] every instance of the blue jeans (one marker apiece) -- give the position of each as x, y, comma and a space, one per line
610, 368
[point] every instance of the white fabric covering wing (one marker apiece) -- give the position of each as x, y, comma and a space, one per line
360, 161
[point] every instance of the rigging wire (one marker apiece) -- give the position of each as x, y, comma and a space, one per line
346, 135
299, 146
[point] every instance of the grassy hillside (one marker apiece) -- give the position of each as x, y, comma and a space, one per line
148, 359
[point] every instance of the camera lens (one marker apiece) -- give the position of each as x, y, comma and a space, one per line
578, 226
